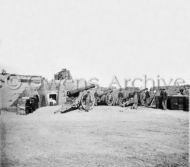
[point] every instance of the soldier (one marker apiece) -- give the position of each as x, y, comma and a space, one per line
28, 108
32, 104
96, 98
147, 98
164, 97
142, 98
182, 92
36, 101
135, 101
120, 97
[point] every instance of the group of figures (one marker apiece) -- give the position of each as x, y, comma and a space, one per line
31, 104
137, 98
144, 98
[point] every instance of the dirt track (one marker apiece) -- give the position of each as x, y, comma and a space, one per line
105, 136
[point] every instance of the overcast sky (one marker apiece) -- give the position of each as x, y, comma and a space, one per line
100, 38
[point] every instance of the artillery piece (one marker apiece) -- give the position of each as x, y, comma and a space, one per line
81, 98
102, 97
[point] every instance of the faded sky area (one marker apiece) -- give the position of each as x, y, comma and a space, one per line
103, 38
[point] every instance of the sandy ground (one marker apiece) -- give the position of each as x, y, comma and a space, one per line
105, 136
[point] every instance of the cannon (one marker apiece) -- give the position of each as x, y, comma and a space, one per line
102, 97
120, 96
81, 98
76, 92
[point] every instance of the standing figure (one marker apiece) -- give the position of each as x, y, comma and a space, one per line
142, 98
120, 97
135, 101
28, 108
164, 97
147, 98
182, 92
36, 99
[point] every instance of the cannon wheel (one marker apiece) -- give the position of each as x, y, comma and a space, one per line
110, 99
87, 101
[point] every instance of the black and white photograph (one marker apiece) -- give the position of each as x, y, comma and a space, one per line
102, 83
